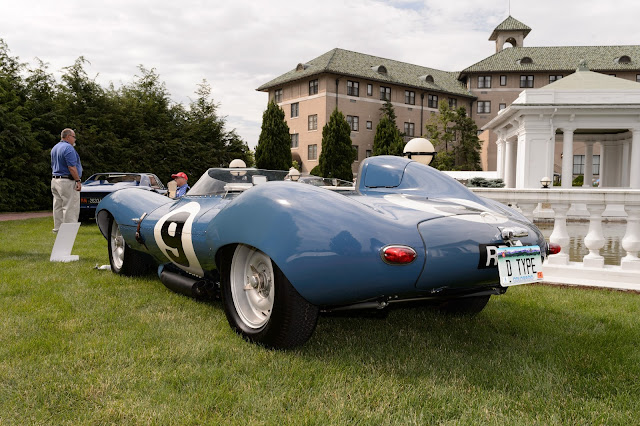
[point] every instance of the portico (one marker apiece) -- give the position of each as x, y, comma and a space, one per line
587, 107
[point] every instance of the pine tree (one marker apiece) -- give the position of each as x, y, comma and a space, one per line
388, 139
455, 137
273, 151
337, 150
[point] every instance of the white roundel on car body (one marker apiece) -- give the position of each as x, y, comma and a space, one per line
458, 208
174, 239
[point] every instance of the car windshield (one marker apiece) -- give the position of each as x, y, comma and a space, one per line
225, 181
115, 178
320, 181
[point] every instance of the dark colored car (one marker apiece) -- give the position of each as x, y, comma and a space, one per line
100, 185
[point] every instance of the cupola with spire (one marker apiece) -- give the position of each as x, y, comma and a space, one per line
509, 31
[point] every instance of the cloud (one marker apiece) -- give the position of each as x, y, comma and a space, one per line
237, 46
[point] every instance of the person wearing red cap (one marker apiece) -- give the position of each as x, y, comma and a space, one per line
181, 179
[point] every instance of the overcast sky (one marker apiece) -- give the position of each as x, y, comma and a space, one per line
238, 45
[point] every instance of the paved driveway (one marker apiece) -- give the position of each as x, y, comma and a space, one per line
23, 215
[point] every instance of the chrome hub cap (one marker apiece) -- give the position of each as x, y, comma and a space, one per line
117, 246
252, 286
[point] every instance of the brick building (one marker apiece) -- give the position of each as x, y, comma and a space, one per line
358, 85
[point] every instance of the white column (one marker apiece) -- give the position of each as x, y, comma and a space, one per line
567, 158
626, 151
631, 239
634, 172
551, 154
560, 235
594, 239
588, 165
603, 159
510, 163
500, 159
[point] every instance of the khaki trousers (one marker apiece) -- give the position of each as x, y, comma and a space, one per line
66, 202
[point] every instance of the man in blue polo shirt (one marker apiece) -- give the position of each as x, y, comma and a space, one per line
65, 180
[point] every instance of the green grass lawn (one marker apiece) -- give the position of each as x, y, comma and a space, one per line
80, 345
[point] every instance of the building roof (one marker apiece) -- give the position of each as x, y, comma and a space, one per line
560, 58
509, 24
583, 79
359, 65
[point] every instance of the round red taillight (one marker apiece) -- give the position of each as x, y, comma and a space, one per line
398, 255
554, 248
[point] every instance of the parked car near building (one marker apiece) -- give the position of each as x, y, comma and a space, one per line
279, 252
98, 185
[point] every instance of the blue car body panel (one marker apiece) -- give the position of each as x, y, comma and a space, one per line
329, 244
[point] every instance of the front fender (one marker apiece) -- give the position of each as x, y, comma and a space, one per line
126, 205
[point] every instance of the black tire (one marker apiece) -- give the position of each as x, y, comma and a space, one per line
122, 258
464, 306
266, 309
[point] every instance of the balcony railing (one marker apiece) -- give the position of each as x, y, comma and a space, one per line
592, 271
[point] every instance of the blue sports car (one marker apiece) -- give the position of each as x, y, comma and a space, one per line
279, 252
99, 185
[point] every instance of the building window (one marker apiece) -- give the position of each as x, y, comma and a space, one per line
453, 103
432, 101
313, 87
409, 129
385, 93
295, 109
369, 125
409, 97
526, 81
503, 80
277, 96
553, 78
484, 82
312, 154
638, 78
579, 162
355, 148
502, 106
484, 107
612, 75
353, 122
313, 122
353, 88
368, 153
294, 140
369, 89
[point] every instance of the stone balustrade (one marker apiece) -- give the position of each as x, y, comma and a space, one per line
591, 271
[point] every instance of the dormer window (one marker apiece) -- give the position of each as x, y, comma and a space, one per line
302, 67
624, 59
380, 69
429, 79
525, 60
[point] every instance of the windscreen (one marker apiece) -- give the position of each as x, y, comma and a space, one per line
224, 181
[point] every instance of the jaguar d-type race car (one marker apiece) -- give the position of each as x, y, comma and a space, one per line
279, 251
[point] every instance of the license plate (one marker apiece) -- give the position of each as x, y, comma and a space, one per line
519, 265
94, 200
